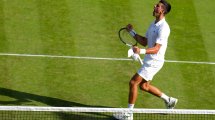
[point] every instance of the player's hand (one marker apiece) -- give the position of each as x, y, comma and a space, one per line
129, 27
133, 55
136, 49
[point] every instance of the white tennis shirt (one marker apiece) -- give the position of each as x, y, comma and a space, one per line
157, 33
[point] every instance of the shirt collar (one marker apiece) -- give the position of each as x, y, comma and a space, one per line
160, 22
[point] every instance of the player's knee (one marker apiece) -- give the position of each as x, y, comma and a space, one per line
131, 83
135, 80
144, 87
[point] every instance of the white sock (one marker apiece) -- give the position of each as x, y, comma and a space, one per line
165, 97
131, 106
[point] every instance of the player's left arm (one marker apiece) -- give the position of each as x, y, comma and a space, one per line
153, 50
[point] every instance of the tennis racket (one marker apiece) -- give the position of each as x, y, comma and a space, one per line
128, 40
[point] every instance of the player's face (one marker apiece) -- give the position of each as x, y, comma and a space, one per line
158, 10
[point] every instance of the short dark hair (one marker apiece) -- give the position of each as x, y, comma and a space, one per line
167, 6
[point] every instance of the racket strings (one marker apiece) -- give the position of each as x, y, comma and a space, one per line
127, 38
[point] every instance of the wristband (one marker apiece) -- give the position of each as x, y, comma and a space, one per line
142, 51
132, 33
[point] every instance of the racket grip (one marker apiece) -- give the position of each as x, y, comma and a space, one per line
132, 33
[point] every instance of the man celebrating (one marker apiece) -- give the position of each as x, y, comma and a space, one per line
156, 39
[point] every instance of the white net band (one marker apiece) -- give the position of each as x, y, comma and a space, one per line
88, 109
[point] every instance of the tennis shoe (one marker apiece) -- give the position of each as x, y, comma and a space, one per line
123, 116
171, 103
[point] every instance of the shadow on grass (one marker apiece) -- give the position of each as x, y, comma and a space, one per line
23, 97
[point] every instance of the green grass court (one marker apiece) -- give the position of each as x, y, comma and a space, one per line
88, 28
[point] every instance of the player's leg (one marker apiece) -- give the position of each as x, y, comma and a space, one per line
133, 89
146, 86
170, 102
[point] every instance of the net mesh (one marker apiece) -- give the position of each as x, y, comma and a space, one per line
74, 113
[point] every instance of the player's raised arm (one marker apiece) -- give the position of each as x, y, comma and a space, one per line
140, 39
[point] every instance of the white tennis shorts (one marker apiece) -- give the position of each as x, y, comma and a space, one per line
149, 69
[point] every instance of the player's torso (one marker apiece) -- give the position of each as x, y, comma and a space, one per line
153, 34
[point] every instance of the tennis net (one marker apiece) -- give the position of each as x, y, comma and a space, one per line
80, 113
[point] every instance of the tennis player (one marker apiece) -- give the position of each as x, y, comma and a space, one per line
156, 39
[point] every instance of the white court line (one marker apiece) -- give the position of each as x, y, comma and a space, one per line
98, 58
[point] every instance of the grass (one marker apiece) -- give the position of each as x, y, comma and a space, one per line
89, 28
